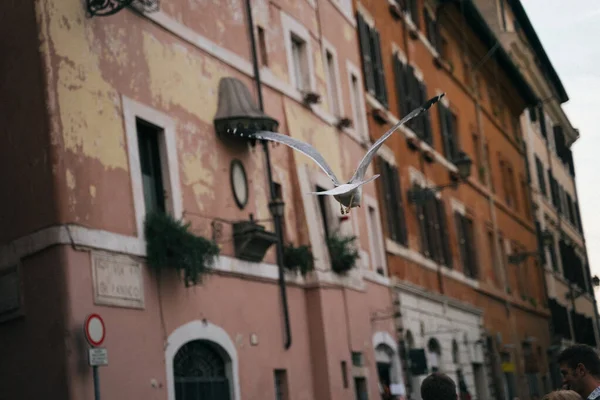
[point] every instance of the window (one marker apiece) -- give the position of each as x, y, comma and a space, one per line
488, 162
412, 6
358, 114
578, 217
449, 127
493, 258
281, 385
262, 46
478, 158
532, 114
323, 207
553, 261
526, 199
554, 192
540, 175
502, 14
516, 127
300, 63
150, 163
434, 231
357, 358
332, 86
466, 241
510, 176
432, 29
375, 240
391, 193
370, 48
411, 93
344, 374
503, 261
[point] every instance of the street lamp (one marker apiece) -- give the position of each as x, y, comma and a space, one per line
547, 240
463, 164
276, 207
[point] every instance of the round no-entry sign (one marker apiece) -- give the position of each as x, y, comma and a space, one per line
94, 330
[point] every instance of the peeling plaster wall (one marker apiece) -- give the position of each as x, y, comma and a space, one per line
28, 202
91, 64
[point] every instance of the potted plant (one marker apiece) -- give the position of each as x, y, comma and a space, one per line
298, 259
171, 246
342, 253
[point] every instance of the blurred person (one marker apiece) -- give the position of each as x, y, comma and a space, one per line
562, 395
438, 386
580, 370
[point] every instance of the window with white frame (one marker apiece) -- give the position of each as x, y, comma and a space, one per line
332, 83
376, 241
300, 63
355, 98
153, 163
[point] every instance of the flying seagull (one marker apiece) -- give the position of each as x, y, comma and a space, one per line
347, 194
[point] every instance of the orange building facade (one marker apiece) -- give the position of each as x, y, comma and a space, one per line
468, 307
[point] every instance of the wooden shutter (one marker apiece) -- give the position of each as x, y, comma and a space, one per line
401, 86
444, 234
540, 174
460, 235
559, 141
433, 242
426, 116
442, 111
471, 260
452, 135
532, 114
578, 216
414, 12
401, 234
380, 89
542, 118
364, 34
386, 195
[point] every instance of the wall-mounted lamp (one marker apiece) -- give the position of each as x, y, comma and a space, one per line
421, 195
104, 8
517, 258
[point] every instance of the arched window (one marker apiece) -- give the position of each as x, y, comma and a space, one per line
199, 369
434, 354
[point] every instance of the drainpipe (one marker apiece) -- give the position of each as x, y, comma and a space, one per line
276, 219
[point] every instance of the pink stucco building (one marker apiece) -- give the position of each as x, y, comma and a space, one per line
107, 116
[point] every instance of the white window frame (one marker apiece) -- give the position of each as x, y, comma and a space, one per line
168, 159
292, 28
370, 202
328, 47
359, 111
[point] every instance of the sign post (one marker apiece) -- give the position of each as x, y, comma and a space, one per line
95, 332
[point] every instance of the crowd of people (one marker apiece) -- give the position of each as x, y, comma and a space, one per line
579, 367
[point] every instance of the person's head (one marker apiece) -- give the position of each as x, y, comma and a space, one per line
562, 395
438, 386
580, 369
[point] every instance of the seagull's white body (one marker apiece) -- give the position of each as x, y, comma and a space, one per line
348, 194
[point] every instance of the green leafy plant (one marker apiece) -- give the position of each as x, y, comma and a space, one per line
533, 301
342, 252
298, 259
170, 245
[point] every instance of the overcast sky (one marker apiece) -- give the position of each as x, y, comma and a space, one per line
570, 35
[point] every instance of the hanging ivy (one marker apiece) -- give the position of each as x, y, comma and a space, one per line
170, 245
299, 259
342, 253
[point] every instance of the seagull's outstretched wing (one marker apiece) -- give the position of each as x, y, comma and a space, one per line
302, 147
364, 163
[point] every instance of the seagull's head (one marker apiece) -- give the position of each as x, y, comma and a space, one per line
432, 101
